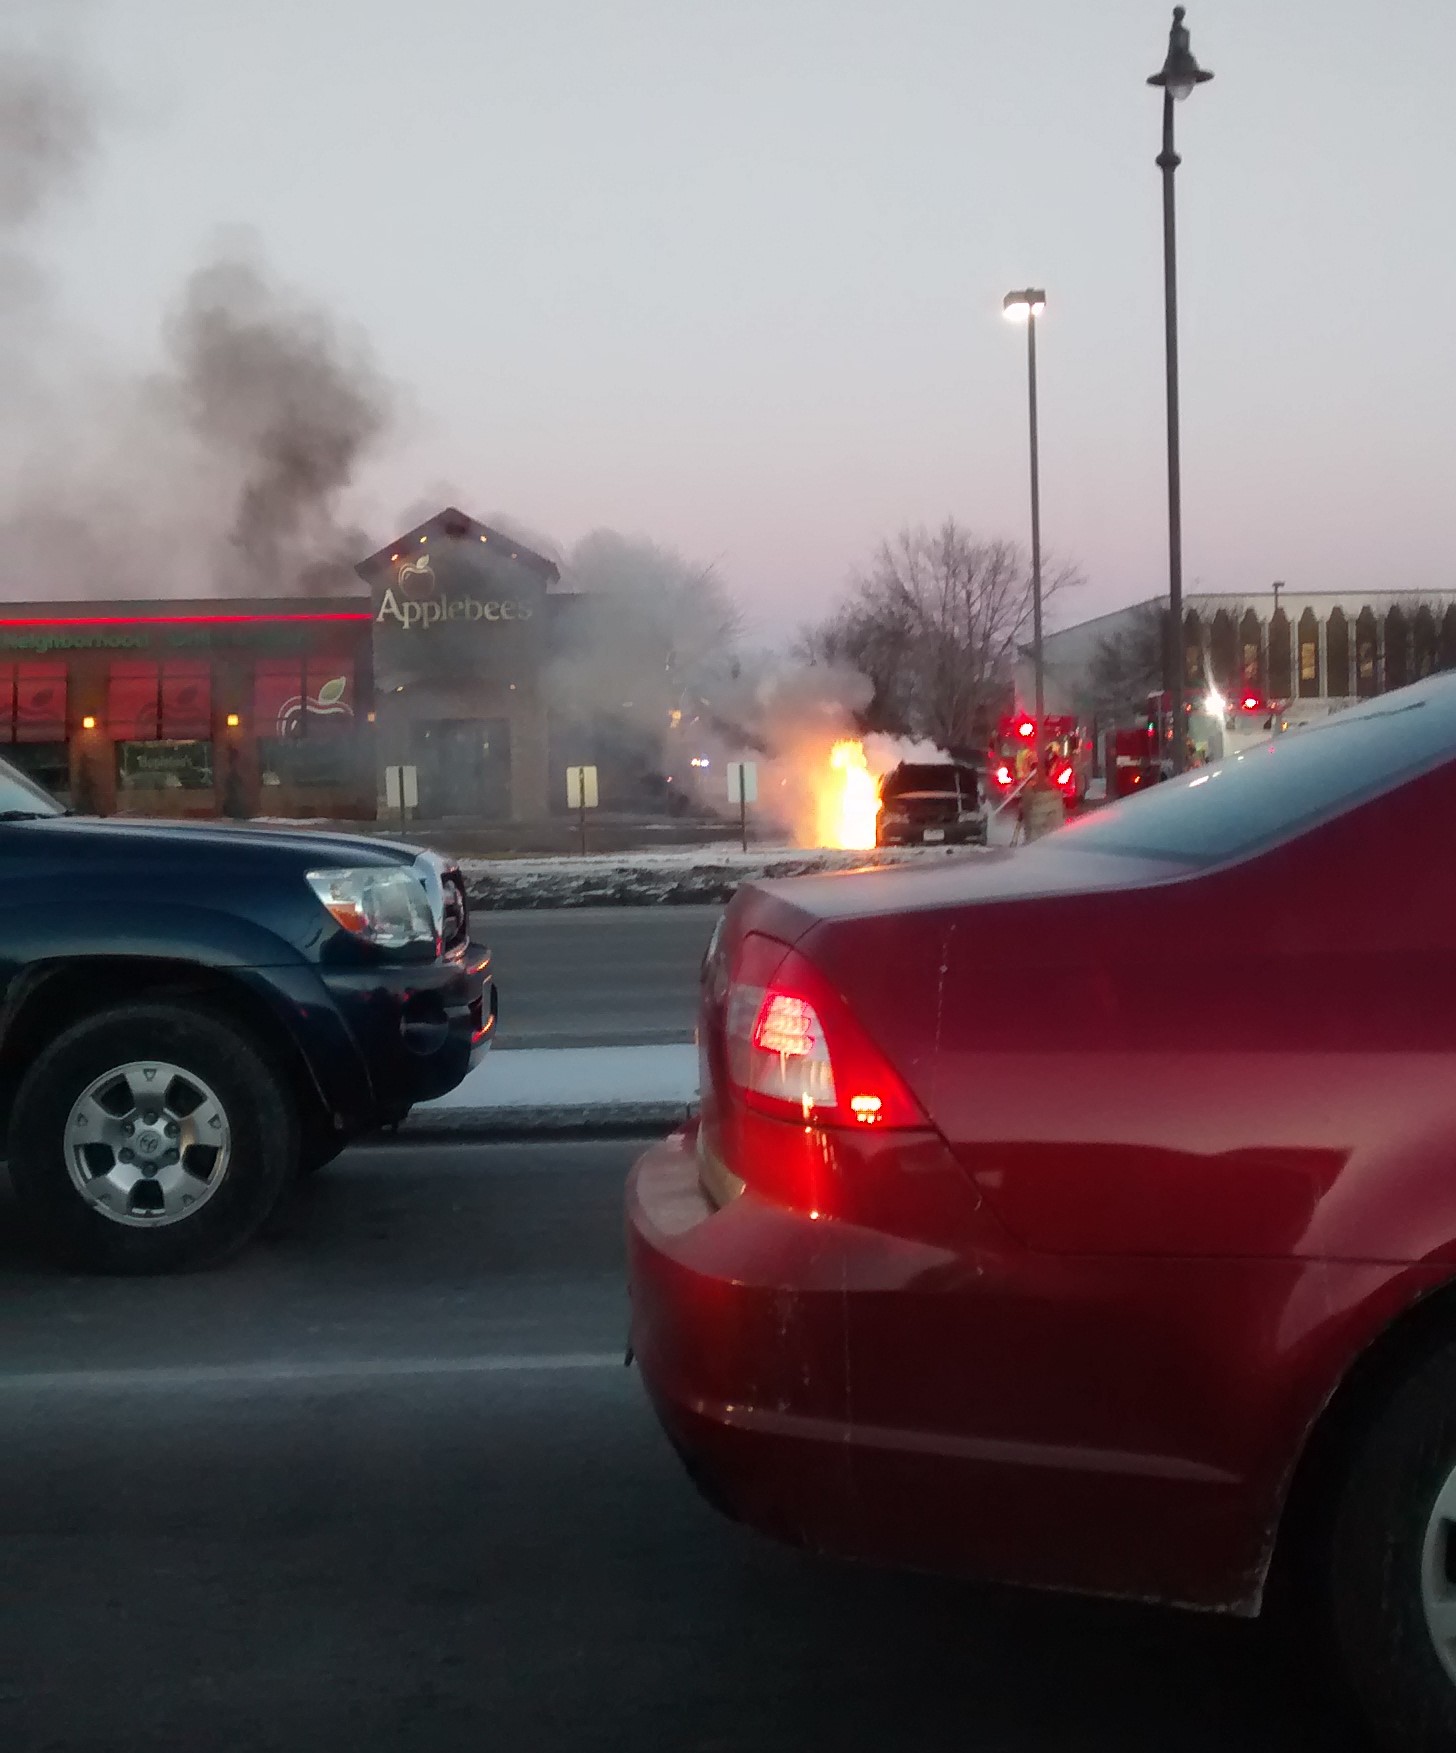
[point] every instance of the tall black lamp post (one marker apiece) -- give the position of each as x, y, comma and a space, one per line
1180, 74
1025, 307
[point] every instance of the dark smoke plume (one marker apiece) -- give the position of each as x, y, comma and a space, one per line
47, 134
222, 473
286, 407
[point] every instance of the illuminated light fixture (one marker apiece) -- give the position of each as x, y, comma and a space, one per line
1180, 73
371, 718
485, 538
233, 721
1026, 728
1251, 702
1065, 776
1216, 704
1020, 307
424, 538
394, 556
787, 1026
513, 556
88, 722
1003, 775
866, 1109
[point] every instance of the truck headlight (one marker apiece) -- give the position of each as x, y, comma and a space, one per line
385, 907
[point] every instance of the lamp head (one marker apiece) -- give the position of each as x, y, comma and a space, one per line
1020, 307
1180, 72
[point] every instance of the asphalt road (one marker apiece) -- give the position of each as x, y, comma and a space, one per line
597, 976
385, 1484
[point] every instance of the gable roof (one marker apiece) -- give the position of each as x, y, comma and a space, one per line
453, 525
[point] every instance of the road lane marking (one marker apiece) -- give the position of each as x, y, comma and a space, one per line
167, 1379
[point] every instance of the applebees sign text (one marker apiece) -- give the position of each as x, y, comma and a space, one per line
408, 603
429, 613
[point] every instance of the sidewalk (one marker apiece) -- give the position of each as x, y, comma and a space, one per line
567, 1089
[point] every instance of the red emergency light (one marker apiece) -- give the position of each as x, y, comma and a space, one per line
1026, 728
1251, 702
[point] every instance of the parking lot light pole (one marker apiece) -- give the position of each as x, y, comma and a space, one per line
1025, 307
1179, 75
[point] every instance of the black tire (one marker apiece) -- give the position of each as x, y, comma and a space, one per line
1375, 1556
251, 1091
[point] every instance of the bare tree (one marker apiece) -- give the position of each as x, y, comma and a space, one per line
1128, 665
935, 623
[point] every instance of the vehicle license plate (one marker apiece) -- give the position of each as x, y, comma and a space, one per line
933, 834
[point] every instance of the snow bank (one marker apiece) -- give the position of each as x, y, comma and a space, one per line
684, 874
539, 1077
560, 1091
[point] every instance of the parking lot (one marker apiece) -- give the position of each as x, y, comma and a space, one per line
384, 1482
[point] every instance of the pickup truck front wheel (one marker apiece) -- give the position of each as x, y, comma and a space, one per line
151, 1138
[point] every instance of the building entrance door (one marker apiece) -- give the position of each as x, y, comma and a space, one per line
464, 768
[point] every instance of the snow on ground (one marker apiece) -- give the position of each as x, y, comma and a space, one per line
703, 874
570, 1077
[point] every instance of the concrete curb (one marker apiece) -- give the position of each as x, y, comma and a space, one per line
562, 1120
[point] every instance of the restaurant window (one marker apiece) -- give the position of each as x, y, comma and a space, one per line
168, 702
312, 762
48, 764
298, 697
33, 703
155, 765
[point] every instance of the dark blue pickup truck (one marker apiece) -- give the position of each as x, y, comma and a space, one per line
192, 1015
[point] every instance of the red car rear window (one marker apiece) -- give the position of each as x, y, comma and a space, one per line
1290, 783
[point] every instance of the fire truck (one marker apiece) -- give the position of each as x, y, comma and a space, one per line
1063, 748
1142, 754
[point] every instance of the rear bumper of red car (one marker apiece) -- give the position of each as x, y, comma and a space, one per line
1014, 1416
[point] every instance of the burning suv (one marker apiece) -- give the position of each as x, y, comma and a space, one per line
925, 802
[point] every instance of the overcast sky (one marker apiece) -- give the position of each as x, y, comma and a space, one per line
729, 272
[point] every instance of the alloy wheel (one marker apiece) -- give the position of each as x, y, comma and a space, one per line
147, 1144
1438, 1575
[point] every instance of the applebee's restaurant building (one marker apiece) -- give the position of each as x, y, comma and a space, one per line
433, 654
193, 708
466, 620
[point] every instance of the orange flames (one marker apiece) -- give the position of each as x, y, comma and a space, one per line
847, 797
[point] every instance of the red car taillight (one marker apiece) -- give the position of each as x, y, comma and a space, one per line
1065, 776
1003, 775
797, 1051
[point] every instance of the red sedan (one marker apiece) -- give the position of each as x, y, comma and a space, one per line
1086, 1216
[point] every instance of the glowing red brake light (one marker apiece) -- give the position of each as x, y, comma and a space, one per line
1026, 728
797, 1051
787, 1026
1065, 776
1003, 775
1251, 702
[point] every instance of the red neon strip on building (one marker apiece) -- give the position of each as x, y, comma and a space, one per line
177, 620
